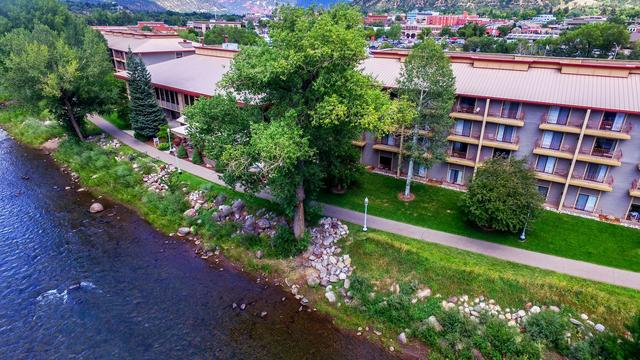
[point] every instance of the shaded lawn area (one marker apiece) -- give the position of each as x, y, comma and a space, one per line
439, 208
115, 120
382, 259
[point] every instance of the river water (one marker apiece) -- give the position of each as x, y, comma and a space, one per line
79, 286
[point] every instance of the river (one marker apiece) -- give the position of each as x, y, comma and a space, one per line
79, 286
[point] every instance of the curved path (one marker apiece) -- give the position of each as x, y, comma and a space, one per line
558, 264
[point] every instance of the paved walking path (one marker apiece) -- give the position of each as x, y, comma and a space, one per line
549, 262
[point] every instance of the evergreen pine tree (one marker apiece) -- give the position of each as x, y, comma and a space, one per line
146, 114
196, 158
182, 152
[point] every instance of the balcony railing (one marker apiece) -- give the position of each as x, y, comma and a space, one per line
507, 115
577, 123
635, 184
380, 141
469, 133
586, 177
605, 153
460, 154
562, 148
557, 172
608, 126
468, 109
492, 137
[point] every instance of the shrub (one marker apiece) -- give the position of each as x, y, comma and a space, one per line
548, 328
285, 244
182, 152
162, 132
196, 158
163, 146
503, 195
600, 346
501, 338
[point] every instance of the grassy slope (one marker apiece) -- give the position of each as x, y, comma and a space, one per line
382, 258
438, 208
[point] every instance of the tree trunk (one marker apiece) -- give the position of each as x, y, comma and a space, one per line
298, 217
414, 141
72, 119
400, 153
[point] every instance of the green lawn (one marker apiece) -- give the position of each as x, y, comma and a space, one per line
122, 124
438, 208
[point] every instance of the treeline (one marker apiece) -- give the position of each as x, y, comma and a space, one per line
50, 59
108, 15
598, 40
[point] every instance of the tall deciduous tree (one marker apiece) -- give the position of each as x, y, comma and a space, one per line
314, 102
146, 115
59, 63
428, 82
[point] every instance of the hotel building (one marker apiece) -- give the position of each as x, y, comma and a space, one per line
576, 121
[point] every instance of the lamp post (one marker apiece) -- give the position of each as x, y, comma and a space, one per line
523, 235
175, 152
366, 204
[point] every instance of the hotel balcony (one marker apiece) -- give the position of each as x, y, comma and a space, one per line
558, 176
464, 137
512, 119
600, 156
168, 105
573, 126
562, 152
360, 142
592, 183
634, 190
491, 141
467, 112
460, 158
605, 130
382, 146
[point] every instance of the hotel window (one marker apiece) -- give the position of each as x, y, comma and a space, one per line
179, 55
468, 105
558, 115
505, 133
500, 153
455, 176
189, 100
462, 127
510, 109
596, 172
544, 191
551, 140
459, 149
546, 164
612, 121
603, 147
586, 202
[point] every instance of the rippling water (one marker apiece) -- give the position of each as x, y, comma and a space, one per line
108, 286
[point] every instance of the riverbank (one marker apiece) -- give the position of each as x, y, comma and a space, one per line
394, 269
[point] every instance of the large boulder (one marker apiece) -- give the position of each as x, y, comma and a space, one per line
263, 224
249, 225
183, 231
237, 207
220, 199
96, 207
223, 212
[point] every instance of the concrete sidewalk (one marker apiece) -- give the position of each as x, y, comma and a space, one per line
543, 261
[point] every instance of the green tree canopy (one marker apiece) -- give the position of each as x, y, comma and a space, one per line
313, 103
241, 36
591, 40
59, 63
503, 195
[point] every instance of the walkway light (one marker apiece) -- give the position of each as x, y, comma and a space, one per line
366, 204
